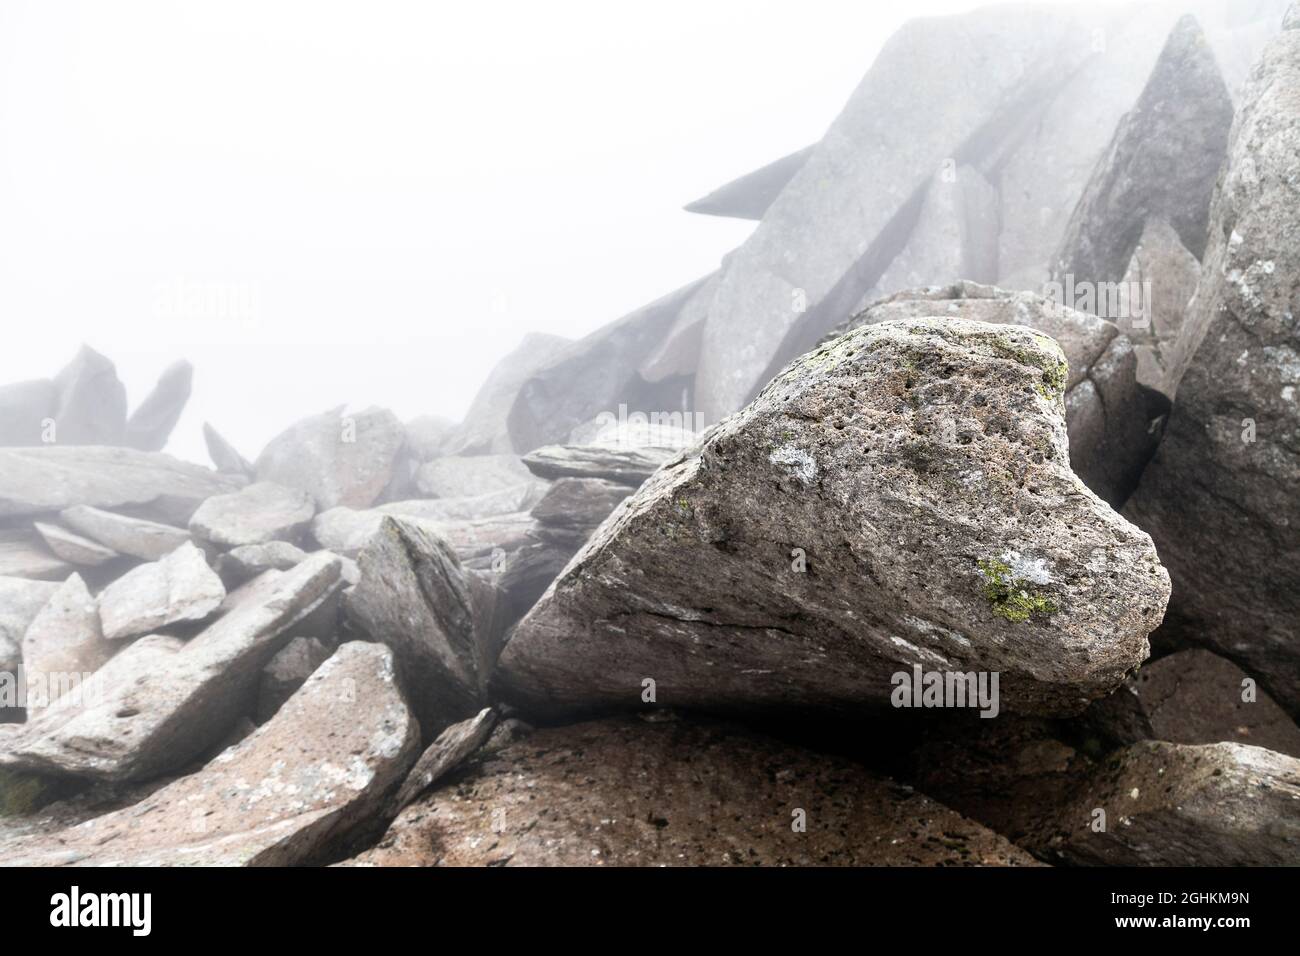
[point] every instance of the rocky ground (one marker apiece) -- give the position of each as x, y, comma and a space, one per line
944, 575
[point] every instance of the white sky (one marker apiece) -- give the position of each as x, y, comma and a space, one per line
400, 189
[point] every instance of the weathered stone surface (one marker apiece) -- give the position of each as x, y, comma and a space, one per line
136, 537
579, 504
919, 470
247, 562
677, 794
285, 795
63, 645
25, 408
39, 480
224, 455
1193, 697
413, 597
24, 554
426, 436
73, 548
444, 755
1162, 266
599, 372
628, 466
505, 733
92, 401
20, 601
337, 458
1219, 498
261, 512
1162, 163
1109, 416
287, 671
1169, 804
462, 476
510, 500
178, 589
151, 424
485, 430
749, 196
160, 702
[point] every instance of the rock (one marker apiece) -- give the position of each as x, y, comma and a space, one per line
20, 601
489, 542
247, 562
426, 435
224, 455
506, 733
578, 504
287, 671
290, 794
160, 702
39, 480
26, 408
900, 497
599, 372
178, 589
151, 424
511, 500
1161, 163
485, 430
338, 459
626, 466
1162, 264
24, 554
462, 476
627, 793
257, 514
63, 646
1109, 416
136, 537
1219, 497
1194, 697
444, 755
92, 402
750, 196
73, 548
1169, 804
413, 597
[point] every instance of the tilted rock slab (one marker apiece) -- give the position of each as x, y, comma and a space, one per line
179, 589
285, 795
38, 480
151, 424
624, 792
146, 540
160, 702
920, 473
1220, 497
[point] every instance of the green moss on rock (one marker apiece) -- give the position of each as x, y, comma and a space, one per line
1011, 597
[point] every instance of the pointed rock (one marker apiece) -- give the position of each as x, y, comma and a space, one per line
151, 424
900, 497
444, 755
63, 646
749, 196
92, 402
223, 454
73, 548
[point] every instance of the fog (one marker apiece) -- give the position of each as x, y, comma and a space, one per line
320, 203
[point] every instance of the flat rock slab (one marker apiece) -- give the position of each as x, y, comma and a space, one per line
900, 497
461, 475
136, 537
247, 562
24, 554
179, 589
624, 792
72, 547
579, 504
160, 702
261, 512
40, 480
626, 465
285, 795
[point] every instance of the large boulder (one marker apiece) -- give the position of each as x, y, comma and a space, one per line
159, 702
337, 458
900, 497
413, 596
34, 481
1219, 498
260, 513
179, 589
629, 793
289, 794
92, 402
1109, 415
151, 424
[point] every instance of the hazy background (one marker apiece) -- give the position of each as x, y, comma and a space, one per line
393, 193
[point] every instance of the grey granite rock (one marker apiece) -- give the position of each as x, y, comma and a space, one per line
178, 589
151, 424
136, 537
257, 514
